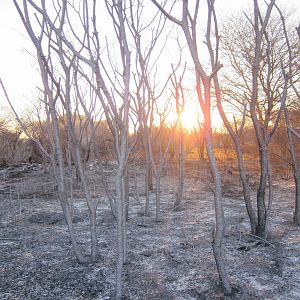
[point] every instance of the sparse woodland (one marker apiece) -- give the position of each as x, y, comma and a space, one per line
105, 192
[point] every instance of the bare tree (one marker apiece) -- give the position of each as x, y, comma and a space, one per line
53, 93
144, 75
289, 80
178, 94
261, 129
235, 133
188, 23
163, 137
119, 124
118, 119
258, 90
79, 49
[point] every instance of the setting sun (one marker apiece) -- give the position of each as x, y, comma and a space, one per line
192, 115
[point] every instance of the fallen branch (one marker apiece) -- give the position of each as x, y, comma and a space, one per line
261, 239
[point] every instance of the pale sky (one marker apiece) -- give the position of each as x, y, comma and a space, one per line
18, 68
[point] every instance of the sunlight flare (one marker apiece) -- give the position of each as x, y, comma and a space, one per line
191, 117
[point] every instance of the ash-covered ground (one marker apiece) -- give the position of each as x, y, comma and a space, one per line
171, 259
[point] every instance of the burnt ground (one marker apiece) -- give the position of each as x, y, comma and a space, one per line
168, 260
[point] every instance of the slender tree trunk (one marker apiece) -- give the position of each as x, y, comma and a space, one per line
125, 216
148, 175
270, 193
70, 170
246, 188
147, 202
296, 168
92, 146
136, 188
297, 199
121, 224
178, 200
148, 159
110, 197
219, 213
120, 233
126, 193
261, 195
150, 178
157, 194
61, 184
91, 205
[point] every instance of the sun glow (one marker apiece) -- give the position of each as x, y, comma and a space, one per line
191, 117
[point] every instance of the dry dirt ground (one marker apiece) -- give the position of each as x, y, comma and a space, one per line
168, 260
